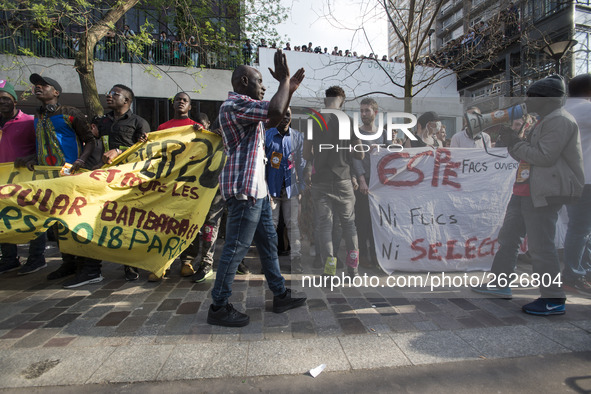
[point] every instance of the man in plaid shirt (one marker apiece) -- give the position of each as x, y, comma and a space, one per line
244, 188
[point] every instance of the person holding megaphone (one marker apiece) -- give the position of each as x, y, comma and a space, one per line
550, 174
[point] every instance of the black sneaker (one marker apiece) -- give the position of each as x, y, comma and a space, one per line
227, 316
32, 266
578, 285
63, 271
7, 266
242, 269
131, 273
83, 278
286, 302
203, 272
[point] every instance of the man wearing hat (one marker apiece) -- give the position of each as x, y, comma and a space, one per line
63, 136
428, 124
18, 140
550, 174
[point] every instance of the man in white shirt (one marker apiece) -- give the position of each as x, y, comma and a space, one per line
464, 139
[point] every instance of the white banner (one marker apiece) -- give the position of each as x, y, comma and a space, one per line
439, 210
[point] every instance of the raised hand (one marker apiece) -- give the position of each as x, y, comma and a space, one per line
281, 72
296, 80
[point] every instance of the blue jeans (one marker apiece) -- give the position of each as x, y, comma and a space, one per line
577, 236
36, 250
539, 224
247, 221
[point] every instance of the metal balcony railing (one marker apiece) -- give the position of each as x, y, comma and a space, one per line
115, 49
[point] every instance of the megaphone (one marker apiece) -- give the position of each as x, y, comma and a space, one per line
479, 122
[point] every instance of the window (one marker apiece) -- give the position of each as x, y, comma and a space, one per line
446, 7
582, 53
542, 8
489, 90
475, 21
582, 18
453, 19
457, 32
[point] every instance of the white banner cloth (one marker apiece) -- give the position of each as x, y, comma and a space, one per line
439, 210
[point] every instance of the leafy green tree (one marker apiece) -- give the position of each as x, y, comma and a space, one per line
217, 24
49, 18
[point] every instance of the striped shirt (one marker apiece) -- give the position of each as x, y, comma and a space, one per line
241, 120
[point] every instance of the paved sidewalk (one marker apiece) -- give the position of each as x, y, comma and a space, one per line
554, 373
118, 331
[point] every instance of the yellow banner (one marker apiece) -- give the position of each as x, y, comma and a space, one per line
143, 210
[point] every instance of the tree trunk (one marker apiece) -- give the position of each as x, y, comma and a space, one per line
408, 81
84, 63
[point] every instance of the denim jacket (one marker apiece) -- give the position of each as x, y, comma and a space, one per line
285, 164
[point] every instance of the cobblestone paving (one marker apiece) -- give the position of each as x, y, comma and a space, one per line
35, 312
119, 331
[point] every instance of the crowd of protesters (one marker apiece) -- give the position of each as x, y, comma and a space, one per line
270, 165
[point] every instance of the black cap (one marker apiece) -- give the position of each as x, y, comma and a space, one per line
552, 86
37, 79
429, 116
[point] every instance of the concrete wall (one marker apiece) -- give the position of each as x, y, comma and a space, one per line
357, 77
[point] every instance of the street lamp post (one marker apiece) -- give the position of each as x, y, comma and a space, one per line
557, 50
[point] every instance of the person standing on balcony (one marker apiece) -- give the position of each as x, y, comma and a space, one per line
163, 55
247, 52
127, 34
194, 51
